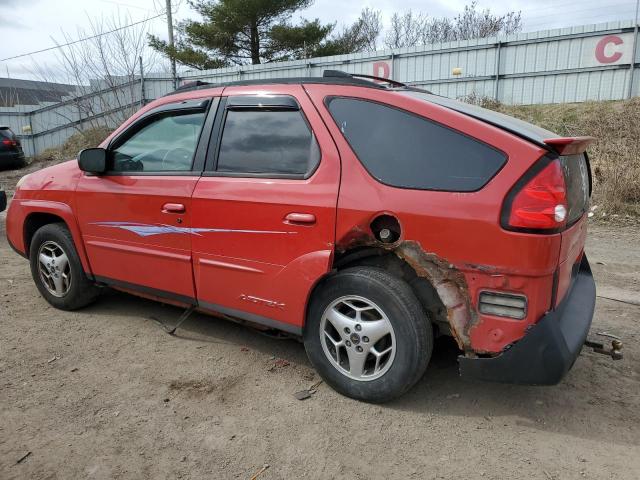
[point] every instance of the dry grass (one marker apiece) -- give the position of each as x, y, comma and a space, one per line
615, 156
69, 149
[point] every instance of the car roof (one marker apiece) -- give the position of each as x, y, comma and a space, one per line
353, 81
518, 127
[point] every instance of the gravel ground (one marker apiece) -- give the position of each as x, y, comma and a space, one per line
105, 393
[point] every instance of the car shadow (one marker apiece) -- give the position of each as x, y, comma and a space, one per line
563, 409
198, 328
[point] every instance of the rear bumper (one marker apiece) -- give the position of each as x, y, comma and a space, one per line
550, 347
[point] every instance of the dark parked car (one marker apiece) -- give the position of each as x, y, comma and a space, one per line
11, 154
3, 201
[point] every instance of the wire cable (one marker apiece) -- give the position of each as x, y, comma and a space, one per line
80, 40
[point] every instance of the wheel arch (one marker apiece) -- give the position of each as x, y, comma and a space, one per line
440, 288
41, 213
35, 221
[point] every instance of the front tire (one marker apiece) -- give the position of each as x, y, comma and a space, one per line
57, 271
367, 334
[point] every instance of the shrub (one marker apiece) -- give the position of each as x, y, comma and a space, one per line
76, 142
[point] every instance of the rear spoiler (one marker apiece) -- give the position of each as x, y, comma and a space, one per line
569, 145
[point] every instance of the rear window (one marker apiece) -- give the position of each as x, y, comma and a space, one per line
404, 150
576, 175
6, 133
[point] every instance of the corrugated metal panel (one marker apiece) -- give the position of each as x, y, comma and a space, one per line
552, 66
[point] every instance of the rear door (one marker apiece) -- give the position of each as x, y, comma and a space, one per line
264, 212
136, 219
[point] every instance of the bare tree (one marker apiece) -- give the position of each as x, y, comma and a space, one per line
370, 26
410, 29
407, 29
105, 68
361, 36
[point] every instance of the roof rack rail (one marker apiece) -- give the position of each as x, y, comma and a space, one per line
341, 74
336, 77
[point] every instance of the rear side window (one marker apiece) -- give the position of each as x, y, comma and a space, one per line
405, 150
267, 142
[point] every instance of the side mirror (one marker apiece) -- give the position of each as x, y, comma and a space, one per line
93, 160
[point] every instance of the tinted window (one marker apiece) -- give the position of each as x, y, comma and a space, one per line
166, 144
404, 150
259, 141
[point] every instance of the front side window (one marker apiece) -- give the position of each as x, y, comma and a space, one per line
264, 141
167, 144
405, 150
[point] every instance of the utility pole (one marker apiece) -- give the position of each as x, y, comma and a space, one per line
171, 44
633, 51
143, 100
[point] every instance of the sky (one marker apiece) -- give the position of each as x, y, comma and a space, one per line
30, 25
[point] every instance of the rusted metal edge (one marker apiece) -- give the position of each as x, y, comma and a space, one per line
450, 284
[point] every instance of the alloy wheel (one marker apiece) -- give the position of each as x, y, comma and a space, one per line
54, 268
357, 338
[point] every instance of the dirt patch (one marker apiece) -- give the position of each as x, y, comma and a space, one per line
201, 388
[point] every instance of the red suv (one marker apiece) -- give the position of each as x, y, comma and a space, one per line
366, 218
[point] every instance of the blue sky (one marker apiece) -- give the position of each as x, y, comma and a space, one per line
26, 26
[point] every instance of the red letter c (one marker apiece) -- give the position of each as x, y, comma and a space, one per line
602, 44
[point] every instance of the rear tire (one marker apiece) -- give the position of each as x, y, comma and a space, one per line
57, 271
367, 334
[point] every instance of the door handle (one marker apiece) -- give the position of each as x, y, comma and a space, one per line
173, 208
303, 218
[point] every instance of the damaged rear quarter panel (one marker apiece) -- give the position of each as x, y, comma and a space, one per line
452, 239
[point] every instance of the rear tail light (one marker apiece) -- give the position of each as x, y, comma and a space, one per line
539, 201
9, 143
503, 305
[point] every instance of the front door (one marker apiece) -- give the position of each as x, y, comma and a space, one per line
265, 209
135, 219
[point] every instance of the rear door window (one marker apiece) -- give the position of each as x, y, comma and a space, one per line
267, 142
405, 150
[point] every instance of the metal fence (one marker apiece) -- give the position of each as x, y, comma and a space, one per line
576, 64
